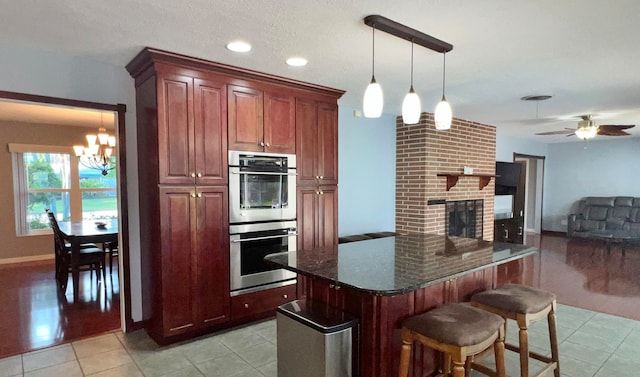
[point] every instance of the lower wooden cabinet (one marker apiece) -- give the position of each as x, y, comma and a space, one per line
255, 303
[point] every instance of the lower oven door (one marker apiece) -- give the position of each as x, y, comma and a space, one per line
250, 243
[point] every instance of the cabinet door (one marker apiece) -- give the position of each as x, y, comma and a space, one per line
307, 217
177, 227
317, 217
210, 132
175, 130
279, 123
212, 255
327, 216
327, 159
306, 141
245, 106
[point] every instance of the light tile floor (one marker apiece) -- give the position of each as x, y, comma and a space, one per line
591, 345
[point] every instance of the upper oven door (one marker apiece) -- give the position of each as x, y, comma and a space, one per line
262, 187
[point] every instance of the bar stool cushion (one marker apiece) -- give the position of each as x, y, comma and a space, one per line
515, 298
455, 324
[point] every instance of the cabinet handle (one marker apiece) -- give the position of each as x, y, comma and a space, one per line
268, 145
321, 177
317, 177
193, 194
246, 306
199, 195
199, 175
332, 286
317, 192
285, 296
262, 143
321, 192
337, 287
506, 233
193, 175
519, 230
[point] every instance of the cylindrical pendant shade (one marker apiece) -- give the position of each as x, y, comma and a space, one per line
373, 100
411, 108
443, 115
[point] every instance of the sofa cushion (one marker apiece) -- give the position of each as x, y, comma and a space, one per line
621, 212
600, 201
634, 215
597, 213
623, 201
636, 202
588, 225
615, 223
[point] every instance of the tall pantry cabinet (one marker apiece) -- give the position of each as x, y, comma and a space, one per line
190, 112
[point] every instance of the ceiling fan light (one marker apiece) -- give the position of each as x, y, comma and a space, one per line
411, 108
586, 132
373, 100
443, 115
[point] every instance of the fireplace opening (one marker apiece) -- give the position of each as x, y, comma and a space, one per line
464, 218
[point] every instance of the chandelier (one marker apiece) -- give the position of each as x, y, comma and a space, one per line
97, 154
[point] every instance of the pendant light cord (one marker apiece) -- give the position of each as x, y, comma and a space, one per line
444, 68
373, 53
412, 64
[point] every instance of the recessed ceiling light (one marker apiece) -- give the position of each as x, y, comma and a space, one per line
239, 46
297, 61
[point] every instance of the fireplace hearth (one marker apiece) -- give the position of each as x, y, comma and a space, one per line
464, 218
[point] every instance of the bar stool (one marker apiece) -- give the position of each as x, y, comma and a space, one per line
459, 331
524, 304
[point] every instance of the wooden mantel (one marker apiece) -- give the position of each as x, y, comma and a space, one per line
452, 179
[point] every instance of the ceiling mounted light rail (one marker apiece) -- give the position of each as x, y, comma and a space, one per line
415, 37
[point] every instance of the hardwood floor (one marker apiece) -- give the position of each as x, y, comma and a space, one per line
34, 314
583, 274
580, 273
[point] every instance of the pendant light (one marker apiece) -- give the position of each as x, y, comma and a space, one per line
411, 105
442, 114
373, 99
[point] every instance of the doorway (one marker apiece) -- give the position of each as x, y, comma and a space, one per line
47, 112
533, 175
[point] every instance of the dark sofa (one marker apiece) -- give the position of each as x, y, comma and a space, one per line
615, 217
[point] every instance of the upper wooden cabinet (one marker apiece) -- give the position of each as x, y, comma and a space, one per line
316, 142
261, 121
192, 132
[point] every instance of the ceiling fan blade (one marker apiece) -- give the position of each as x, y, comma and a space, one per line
560, 132
618, 126
606, 131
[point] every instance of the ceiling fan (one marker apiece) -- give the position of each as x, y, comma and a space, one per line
587, 129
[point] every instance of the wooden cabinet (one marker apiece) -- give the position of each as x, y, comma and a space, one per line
194, 253
317, 142
317, 216
192, 130
190, 112
256, 303
261, 121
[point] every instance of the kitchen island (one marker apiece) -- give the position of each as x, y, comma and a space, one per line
382, 281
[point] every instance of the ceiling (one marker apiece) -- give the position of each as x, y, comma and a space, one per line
583, 53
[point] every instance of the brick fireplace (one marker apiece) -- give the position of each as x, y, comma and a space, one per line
422, 153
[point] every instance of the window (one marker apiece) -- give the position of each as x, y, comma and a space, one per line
51, 177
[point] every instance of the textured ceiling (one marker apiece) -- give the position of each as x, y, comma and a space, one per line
582, 52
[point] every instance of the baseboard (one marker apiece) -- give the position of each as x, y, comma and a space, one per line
33, 258
554, 233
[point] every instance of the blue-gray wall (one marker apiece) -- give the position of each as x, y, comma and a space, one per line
367, 173
601, 167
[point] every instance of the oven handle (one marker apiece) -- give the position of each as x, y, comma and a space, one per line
260, 172
264, 238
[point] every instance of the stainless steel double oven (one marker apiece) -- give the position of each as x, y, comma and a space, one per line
262, 215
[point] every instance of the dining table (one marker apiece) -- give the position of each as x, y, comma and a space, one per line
86, 231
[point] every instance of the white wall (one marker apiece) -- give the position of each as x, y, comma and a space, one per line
601, 167
507, 145
37, 72
367, 172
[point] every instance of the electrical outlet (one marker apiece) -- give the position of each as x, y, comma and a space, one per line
563, 222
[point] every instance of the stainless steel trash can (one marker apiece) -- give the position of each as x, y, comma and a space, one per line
314, 340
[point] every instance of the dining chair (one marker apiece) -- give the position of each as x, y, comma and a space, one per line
53, 223
89, 259
111, 248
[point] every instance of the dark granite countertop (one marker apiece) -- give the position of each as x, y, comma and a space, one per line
403, 263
